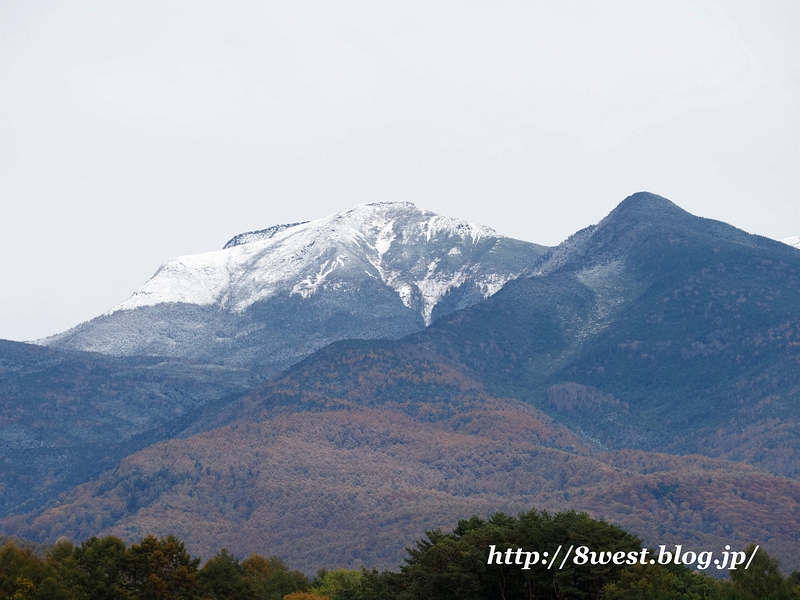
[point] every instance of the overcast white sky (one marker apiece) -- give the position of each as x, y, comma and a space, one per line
132, 132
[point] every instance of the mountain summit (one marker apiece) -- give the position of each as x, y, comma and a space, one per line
272, 296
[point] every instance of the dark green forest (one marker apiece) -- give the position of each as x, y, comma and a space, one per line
441, 566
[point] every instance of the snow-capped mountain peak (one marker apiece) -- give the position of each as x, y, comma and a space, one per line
392, 241
792, 241
273, 295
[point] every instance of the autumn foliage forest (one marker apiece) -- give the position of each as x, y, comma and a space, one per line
327, 477
441, 566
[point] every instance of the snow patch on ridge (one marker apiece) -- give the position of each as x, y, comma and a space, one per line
492, 283
307, 287
385, 239
792, 241
433, 287
198, 279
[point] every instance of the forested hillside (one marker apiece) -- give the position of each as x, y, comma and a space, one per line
347, 487
68, 416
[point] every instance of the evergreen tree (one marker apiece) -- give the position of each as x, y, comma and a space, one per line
270, 578
450, 566
102, 568
762, 580
662, 582
20, 571
222, 578
160, 569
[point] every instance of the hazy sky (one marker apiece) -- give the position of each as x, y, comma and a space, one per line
132, 132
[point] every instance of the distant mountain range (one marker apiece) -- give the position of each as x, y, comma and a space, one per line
273, 296
646, 370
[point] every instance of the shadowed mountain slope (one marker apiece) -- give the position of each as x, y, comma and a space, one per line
67, 416
654, 329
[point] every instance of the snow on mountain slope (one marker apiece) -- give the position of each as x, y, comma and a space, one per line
376, 270
394, 242
793, 241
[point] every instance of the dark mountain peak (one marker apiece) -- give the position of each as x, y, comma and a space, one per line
647, 218
641, 226
644, 209
637, 217
262, 234
647, 201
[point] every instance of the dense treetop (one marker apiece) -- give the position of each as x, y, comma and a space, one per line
460, 565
